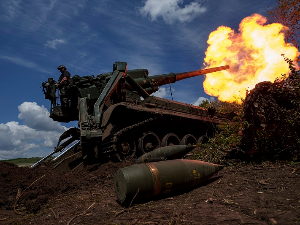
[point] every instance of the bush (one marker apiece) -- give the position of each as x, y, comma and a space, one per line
227, 138
272, 115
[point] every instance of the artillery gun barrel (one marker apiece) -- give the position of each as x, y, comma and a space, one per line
181, 76
163, 79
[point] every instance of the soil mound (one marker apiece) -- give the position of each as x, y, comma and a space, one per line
29, 188
265, 193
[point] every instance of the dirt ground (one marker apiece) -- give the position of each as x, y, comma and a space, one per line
266, 193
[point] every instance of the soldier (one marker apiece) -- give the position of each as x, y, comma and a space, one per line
62, 85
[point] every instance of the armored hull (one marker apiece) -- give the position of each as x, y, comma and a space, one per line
153, 124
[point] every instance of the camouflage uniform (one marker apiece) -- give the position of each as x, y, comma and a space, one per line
63, 82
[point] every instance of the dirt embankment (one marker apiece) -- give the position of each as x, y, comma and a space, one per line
241, 194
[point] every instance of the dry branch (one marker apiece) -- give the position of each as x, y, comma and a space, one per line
19, 195
81, 214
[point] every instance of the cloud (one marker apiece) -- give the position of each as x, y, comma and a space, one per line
163, 92
37, 117
160, 93
19, 61
53, 44
6, 141
17, 140
170, 10
38, 133
23, 62
12, 9
201, 99
35, 14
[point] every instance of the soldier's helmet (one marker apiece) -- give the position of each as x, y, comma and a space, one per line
62, 67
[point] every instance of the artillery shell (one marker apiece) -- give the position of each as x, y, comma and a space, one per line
146, 180
168, 152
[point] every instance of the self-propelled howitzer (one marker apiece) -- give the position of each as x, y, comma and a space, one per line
119, 118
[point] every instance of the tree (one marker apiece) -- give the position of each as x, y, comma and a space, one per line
205, 104
287, 12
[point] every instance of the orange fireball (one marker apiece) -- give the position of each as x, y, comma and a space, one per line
254, 55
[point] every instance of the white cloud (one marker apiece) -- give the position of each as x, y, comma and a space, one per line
39, 132
37, 117
171, 11
16, 140
160, 93
201, 99
6, 141
163, 92
23, 62
53, 44
35, 14
12, 9
11, 154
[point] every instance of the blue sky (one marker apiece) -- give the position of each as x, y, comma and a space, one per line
88, 36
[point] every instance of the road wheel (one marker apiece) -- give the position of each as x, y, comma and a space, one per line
170, 140
188, 139
125, 148
148, 142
